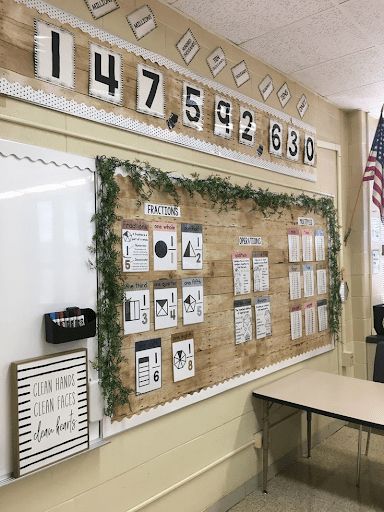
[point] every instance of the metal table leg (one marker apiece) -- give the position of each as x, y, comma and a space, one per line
266, 407
309, 433
359, 457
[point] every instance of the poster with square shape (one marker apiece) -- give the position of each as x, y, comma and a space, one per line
183, 356
150, 91
240, 73
165, 304
275, 138
142, 21
260, 271
192, 246
294, 245
296, 323
136, 308
310, 318
322, 314
294, 282
164, 246
135, 246
241, 273
307, 244
148, 365
105, 74
243, 320
293, 144
101, 8
223, 117
216, 61
188, 46
308, 280
321, 274
54, 50
319, 245
263, 317
193, 300
247, 126
192, 106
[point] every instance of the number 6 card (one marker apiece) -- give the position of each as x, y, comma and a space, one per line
148, 365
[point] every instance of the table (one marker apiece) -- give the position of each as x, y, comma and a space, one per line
345, 398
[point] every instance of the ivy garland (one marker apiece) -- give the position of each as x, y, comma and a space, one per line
223, 195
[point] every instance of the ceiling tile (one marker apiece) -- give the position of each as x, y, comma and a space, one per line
308, 42
369, 15
335, 76
241, 20
369, 98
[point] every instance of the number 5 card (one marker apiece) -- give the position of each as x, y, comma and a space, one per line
136, 310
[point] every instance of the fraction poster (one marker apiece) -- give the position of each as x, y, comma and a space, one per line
243, 320
192, 246
296, 323
308, 279
309, 318
135, 249
294, 245
260, 271
193, 300
322, 314
294, 282
136, 309
319, 245
321, 275
307, 244
183, 356
148, 365
263, 317
241, 273
164, 246
165, 303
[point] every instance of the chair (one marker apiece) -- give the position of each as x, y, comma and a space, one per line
378, 376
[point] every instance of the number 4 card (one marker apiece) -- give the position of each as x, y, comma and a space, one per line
136, 311
165, 304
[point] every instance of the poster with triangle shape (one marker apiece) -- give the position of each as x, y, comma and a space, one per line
192, 246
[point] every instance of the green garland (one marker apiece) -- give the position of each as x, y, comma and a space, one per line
223, 195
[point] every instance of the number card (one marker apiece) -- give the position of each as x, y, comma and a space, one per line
243, 320
150, 91
266, 87
192, 106
136, 310
307, 244
54, 51
293, 144
188, 46
260, 271
247, 126
322, 314
165, 304
216, 61
101, 8
296, 323
241, 273
51, 409
183, 357
135, 250
302, 106
142, 21
308, 278
293, 245
294, 282
263, 317
193, 300
240, 73
309, 150
223, 117
148, 365
105, 74
319, 245
192, 246
321, 281
310, 318
284, 94
275, 138
164, 246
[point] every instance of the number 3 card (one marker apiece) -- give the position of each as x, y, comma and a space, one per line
165, 304
136, 310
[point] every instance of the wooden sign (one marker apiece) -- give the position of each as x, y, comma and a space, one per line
50, 409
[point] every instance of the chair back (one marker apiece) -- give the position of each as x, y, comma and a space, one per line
378, 369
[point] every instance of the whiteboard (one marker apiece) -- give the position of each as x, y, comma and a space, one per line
47, 199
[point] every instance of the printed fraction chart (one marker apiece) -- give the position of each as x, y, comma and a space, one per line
134, 239
310, 318
308, 278
165, 304
192, 246
148, 365
321, 274
307, 244
183, 357
319, 245
260, 271
296, 323
136, 308
294, 245
243, 320
241, 273
164, 246
294, 282
263, 317
193, 300
322, 314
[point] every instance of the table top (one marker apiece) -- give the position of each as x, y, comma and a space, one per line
347, 398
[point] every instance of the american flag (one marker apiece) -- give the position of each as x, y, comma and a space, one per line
374, 168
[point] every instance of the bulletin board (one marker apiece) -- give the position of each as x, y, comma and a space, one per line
216, 356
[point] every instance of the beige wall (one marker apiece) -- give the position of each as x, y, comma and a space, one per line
190, 459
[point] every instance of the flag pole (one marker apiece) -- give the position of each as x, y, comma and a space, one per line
349, 230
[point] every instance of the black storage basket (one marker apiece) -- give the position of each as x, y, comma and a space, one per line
55, 333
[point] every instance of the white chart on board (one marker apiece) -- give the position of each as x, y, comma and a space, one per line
136, 308
243, 320
193, 300
183, 358
164, 246
148, 365
165, 304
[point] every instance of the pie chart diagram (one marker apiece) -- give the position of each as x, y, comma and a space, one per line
161, 249
179, 359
